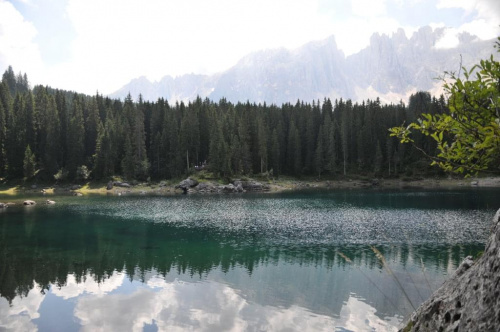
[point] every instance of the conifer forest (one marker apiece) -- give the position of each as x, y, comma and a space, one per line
48, 134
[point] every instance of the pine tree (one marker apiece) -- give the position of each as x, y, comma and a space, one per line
344, 135
31, 119
105, 155
141, 165
62, 109
92, 123
29, 164
10, 80
3, 134
219, 163
246, 156
275, 153
52, 157
128, 161
76, 137
262, 144
377, 165
389, 148
319, 154
16, 137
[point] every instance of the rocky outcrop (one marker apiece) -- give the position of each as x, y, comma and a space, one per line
251, 185
470, 300
237, 186
121, 184
186, 184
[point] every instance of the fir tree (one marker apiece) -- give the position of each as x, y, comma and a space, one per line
29, 164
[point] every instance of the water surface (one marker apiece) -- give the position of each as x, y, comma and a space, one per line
291, 261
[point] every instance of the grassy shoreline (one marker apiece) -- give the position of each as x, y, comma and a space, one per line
275, 185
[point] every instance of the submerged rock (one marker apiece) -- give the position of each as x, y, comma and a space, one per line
29, 202
470, 299
3, 205
50, 202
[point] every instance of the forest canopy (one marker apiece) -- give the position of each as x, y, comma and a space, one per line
52, 134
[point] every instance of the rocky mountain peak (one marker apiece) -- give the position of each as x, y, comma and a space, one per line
390, 67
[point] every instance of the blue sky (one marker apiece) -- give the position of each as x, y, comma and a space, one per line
100, 45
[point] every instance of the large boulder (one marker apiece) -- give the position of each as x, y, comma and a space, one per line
470, 299
251, 185
121, 184
204, 188
230, 188
186, 184
3, 206
109, 186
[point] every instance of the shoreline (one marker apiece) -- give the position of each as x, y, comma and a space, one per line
261, 185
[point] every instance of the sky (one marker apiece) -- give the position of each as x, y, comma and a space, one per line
94, 46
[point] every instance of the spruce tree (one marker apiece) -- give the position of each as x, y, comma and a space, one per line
319, 154
16, 137
29, 164
76, 137
275, 153
3, 133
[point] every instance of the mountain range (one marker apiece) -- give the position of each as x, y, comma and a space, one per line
390, 67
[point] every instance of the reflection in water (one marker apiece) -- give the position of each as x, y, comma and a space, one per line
224, 262
19, 313
203, 306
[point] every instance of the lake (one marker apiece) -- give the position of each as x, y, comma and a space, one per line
294, 261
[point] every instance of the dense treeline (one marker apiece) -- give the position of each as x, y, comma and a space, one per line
47, 133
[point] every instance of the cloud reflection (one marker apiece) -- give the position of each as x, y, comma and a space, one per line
74, 288
19, 314
212, 306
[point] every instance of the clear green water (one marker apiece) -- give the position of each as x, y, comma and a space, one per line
252, 262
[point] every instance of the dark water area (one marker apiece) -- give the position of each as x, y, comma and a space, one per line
290, 261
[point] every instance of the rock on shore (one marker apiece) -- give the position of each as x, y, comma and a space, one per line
468, 301
192, 186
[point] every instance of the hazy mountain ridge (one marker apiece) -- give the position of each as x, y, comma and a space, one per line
389, 67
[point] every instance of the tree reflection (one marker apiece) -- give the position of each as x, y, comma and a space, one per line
47, 252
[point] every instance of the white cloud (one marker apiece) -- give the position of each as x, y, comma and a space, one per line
486, 21
448, 40
116, 41
120, 40
353, 40
369, 8
16, 39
